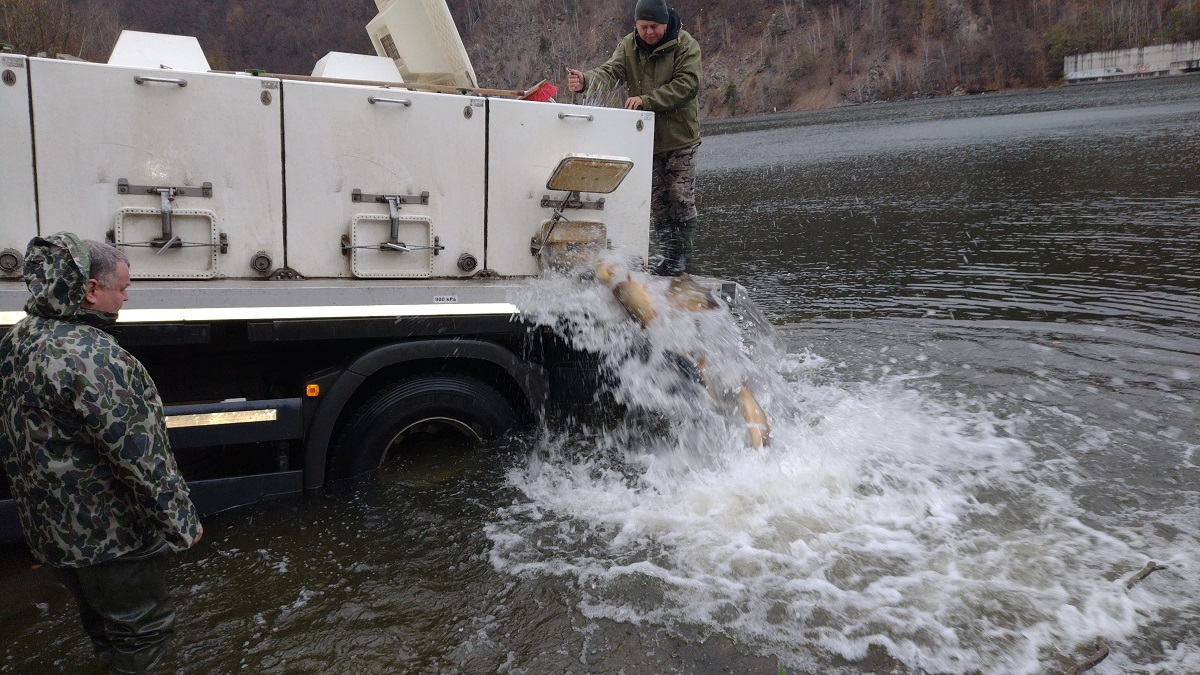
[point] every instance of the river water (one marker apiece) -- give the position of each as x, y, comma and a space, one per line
981, 377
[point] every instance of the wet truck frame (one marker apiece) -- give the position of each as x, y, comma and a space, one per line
323, 265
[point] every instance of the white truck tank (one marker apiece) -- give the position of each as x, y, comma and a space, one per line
325, 264
18, 202
358, 172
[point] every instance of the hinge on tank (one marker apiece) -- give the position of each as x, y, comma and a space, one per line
285, 274
167, 195
357, 196
571, 202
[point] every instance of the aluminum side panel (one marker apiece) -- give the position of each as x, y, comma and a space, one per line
527, 141
337, 141
94, 125
18, 210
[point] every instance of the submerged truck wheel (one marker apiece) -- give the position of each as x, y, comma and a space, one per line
428, 404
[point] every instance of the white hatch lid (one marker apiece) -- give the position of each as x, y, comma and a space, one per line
156, 50
344, 66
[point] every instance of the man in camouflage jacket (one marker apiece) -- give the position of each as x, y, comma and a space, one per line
659, 63
84, 444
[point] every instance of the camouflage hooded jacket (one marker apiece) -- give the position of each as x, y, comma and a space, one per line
82, 435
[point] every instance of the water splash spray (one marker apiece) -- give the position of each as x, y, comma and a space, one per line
880, 527
672, 348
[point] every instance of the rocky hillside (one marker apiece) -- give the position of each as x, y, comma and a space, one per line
759, 55
774, 55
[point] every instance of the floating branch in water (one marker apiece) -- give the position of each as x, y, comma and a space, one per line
1091, 661
1143, 573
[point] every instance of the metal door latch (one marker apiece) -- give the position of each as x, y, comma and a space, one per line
357, 196
167, 195
397, 246
394, 203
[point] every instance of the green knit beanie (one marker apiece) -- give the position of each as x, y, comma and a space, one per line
652, 10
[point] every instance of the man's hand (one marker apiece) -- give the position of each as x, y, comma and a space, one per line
633, 103
574, 80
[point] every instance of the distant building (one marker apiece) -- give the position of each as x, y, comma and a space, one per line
1128, 64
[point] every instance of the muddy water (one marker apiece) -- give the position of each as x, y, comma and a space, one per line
982, 385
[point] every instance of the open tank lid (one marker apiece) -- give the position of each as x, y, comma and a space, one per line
157, 50
578, 172
421, 38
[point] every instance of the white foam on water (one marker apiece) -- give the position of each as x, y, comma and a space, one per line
879, 517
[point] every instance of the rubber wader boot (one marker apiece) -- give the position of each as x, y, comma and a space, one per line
664, 230
130, 596
677, 241
687, 236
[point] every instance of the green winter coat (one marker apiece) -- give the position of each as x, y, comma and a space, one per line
668, 80
82, 435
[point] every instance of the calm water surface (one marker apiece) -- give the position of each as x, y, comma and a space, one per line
982, 385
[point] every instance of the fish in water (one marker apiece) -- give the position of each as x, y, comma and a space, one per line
753, 414
636, 300
632, 294
756, 419
684, 294
687, 294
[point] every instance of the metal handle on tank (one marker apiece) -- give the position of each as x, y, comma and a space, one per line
402, 101
143, 79
563, 116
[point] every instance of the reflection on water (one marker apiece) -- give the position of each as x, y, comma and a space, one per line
983, 414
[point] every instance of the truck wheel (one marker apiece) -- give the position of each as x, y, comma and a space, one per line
436, 403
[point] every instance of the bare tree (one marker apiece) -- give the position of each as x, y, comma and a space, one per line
86, 29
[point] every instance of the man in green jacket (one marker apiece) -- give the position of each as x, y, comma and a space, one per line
660, 65
83, 442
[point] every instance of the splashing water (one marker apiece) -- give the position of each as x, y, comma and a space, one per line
601, 96
883, 525
664, 369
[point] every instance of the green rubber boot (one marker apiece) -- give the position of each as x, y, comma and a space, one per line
677, 241
687, 238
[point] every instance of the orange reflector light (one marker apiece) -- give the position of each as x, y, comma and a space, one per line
312, 390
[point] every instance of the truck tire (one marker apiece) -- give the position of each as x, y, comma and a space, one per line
437, 401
